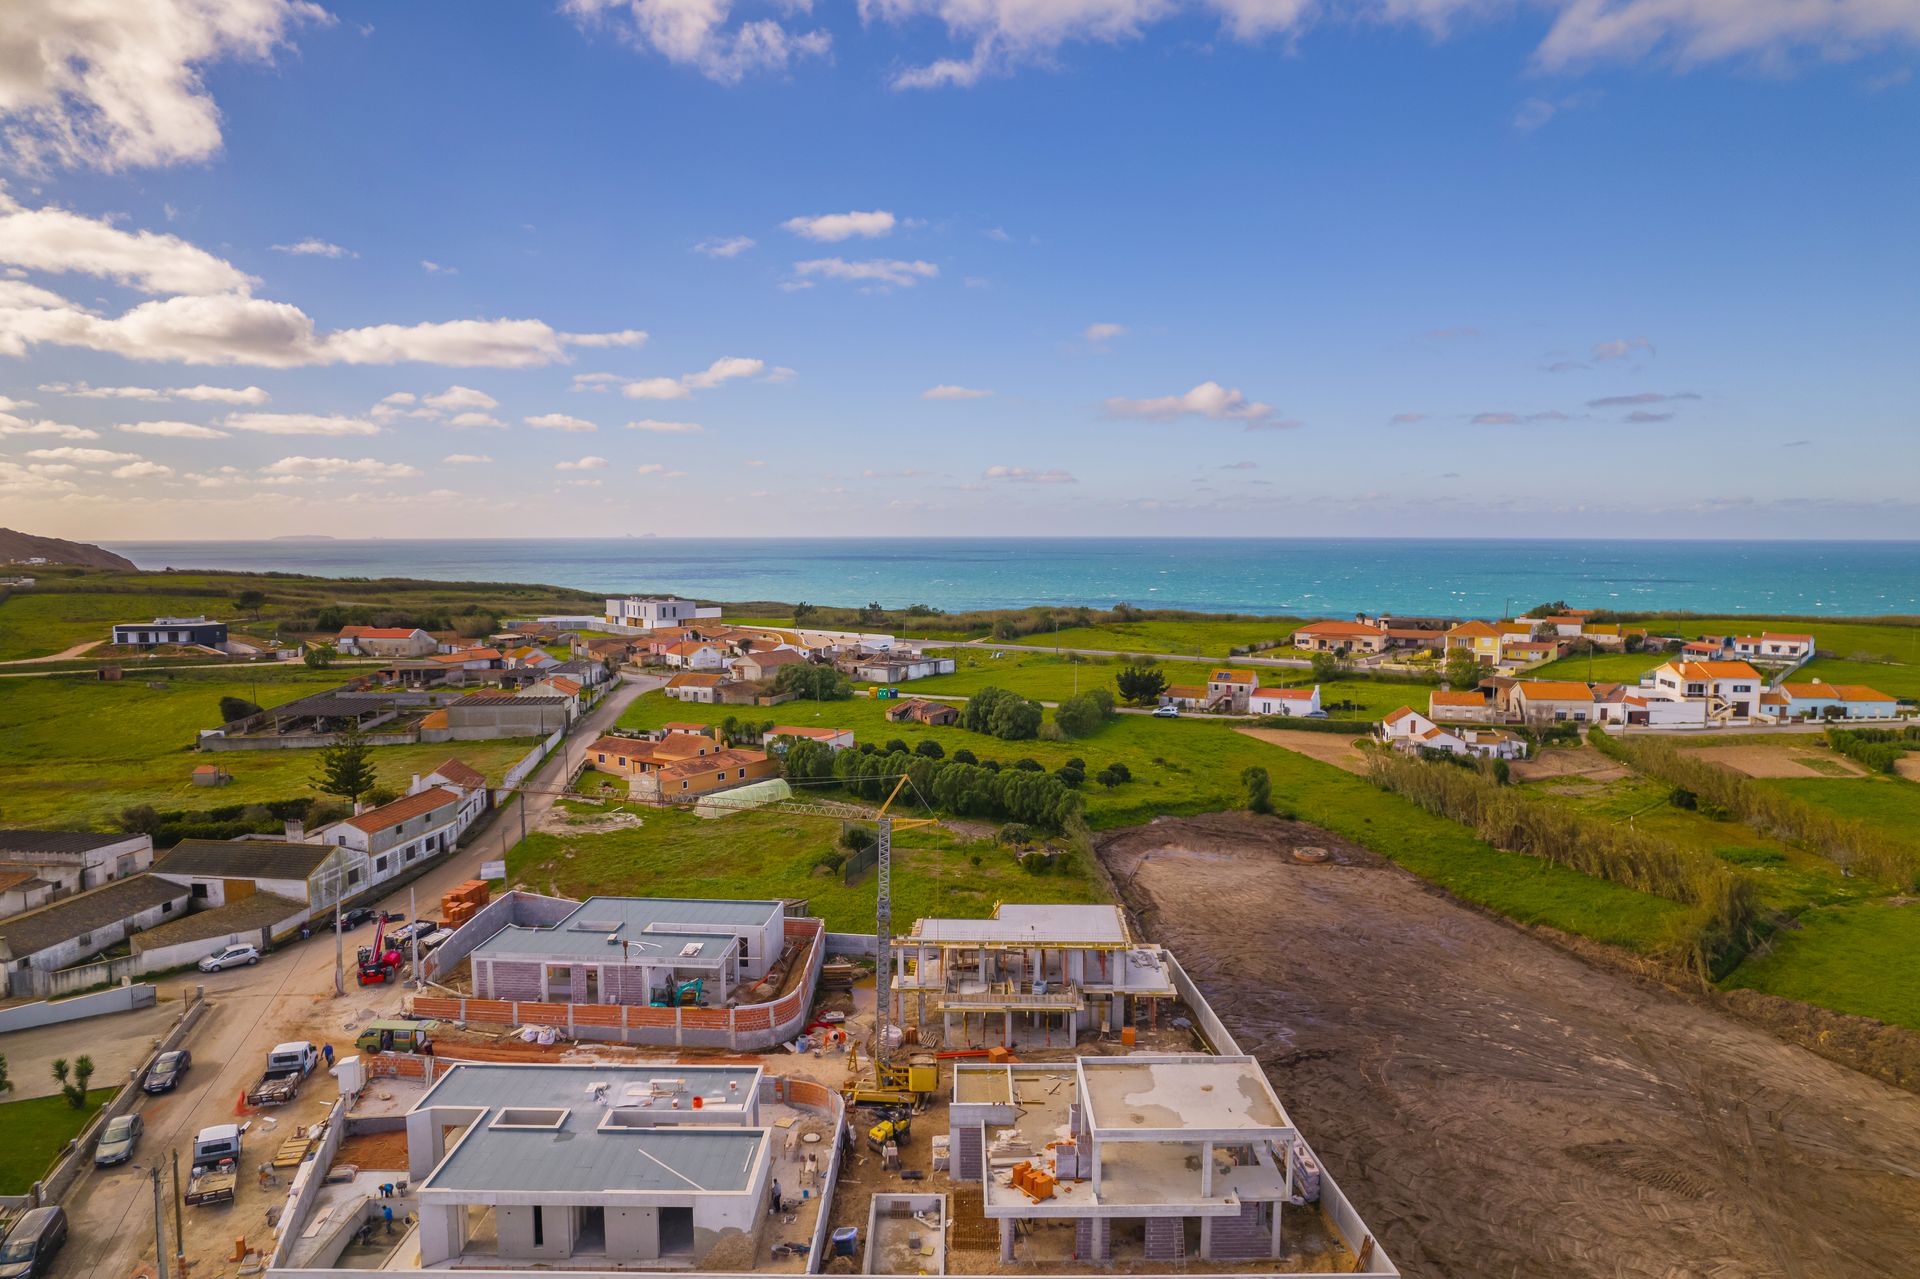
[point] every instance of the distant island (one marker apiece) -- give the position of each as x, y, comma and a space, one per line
19, 548
306, 537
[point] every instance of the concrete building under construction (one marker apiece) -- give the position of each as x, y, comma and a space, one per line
1030, 975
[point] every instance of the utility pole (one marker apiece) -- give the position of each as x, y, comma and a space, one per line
159, 1227
413, 914
339, 944
179, 1226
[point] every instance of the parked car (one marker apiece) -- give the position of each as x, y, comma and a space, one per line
231, 957
30, 1247
1169, 711
117, 1142
164, 1075
352, 919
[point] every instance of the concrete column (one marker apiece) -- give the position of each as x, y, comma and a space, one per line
1006, 1239
1206, 1238
1206, 1172
1096, 1169
1279, 1208
441, 1232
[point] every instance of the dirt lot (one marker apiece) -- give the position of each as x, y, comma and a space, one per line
1328, 748
1496, 1107
1569, 761
1779, 761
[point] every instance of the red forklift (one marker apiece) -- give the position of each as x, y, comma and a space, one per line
380, 961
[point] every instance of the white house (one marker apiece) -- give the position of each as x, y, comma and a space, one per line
77, 859
695, 655
655, 612
1772, 647
1730, 690
1459, 705
1820, 700
1285, 701
425, 822
1551, 699
385, 641
1404, 725
690, 686
836, 739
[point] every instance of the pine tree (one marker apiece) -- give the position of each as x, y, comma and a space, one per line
345, 769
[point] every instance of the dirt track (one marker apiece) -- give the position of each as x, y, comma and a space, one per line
1496, 1107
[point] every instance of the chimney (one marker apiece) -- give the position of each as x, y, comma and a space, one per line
296, 831
415, 788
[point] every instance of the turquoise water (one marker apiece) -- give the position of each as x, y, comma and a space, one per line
1292, 576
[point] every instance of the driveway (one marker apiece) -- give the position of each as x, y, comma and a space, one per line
119, 1044
288, 995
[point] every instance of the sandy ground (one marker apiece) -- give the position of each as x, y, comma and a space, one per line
1329, 748
1908, 766
1787, 759
1569, 761
1496, 1107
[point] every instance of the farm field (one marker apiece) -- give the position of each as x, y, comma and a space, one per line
35, 623
1855, 959
1898, 679
762, 854
1873, 641
1189, 766
1041, 676
74, 752
1601, 668
1199, 637
1892, 802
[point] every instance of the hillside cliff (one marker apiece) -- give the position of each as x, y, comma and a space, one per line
17, 547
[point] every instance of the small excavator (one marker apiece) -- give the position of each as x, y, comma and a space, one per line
685, 994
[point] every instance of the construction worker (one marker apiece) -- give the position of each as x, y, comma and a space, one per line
774, 1203
326, 1050
386, 1213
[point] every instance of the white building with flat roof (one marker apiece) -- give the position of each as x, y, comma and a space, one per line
589, 1166
655, 612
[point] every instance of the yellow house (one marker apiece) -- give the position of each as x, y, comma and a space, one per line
1482, 639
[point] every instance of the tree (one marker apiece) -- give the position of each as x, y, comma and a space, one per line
319, 656
1328, 667
141, 819
232, 708
807, 760
345, 769
928, 748
1084, 713
73, 1079
1015, 719
873, 614
819, 682
1463, 668
803, 613
6, 1084
1259, 789
1139, 685
249, 601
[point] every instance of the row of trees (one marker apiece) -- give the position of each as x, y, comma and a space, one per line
1880, 749
1002, 714
1724, 914
965, 788
1846, 841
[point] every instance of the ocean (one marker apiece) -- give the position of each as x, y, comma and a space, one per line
1327, 577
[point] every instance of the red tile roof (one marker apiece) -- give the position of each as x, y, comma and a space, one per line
402, 809
462, 774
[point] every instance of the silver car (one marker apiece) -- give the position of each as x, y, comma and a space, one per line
117, 1142
231, 957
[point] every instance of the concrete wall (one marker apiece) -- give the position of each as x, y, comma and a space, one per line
529, 910
118, 1000
307, 1180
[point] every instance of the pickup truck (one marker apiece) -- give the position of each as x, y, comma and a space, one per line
216, 1161
288, 1066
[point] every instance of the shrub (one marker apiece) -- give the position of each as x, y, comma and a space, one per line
1002, 714
895, 746
830, 859
1013, 835
962, 756
1259, 789
858, 839
1084, 713
927, 748
232, 708
1028, 765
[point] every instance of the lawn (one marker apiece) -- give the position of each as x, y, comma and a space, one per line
1041, 676
1896, 679
36, 623
1600, 668
74, 751
761, 854
37, 1130
1874, 641
1199, 637
1190, 766
1855, 959
1889, 802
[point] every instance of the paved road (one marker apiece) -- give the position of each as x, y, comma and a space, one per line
288, 995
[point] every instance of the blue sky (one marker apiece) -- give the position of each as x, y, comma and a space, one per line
1460, 267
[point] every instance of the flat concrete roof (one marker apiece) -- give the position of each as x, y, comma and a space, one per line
1178, 1094
684, 1159
664, 924
554, 1084
1024, 925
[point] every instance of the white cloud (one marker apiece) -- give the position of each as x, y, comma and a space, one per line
8, 405
725, 369
730, 247
834, 227
299, 424
1690, 32
58, 242
435, 268
721, 370
467, 459
120, 83
365, 468
69, 453
312, 248
649, 468
559, 422
949, 392
1620, 348
1023, 475
622, 337
11, 425
1209, 400
588, 463
173, 430
665, 428
596, 381
462, 421
455, 397
33, 481
1098, 336
141, 471
882, 272
198, 394
695, 33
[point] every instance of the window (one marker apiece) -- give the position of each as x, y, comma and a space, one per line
200, 891
539, 1228
85, 939
380, 866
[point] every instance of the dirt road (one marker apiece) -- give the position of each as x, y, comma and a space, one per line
1496, 1107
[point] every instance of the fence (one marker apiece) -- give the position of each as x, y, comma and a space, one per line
530, 761
745, 1026
859, 864
804, 1094
118, 1000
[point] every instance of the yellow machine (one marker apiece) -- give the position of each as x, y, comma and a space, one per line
888, 1083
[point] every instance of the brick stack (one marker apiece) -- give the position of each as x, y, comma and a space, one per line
463, 903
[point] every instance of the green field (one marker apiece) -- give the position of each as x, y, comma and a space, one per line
37, 1130
1894, 679
1189, 766
36, 623
1600, 668
1854, 959
1041, 676
74, 752
1873, 641
1892, 802
759, 854
1198, 637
